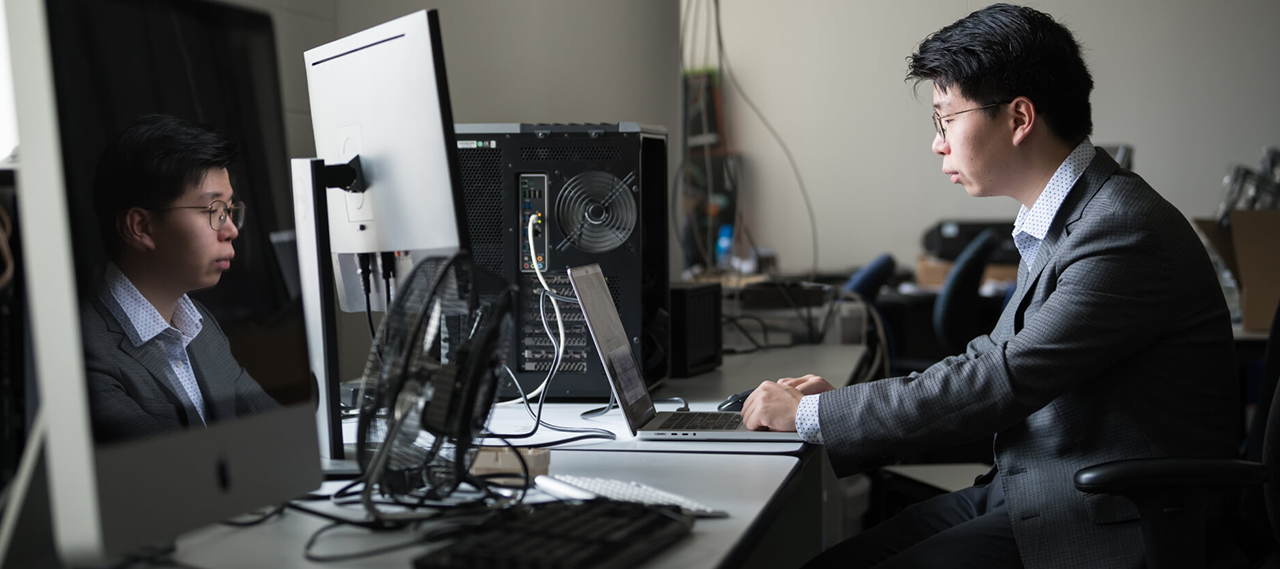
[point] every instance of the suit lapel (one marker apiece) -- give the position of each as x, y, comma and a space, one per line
218, 395
149, 355
1099, 170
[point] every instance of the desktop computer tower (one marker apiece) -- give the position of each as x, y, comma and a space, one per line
601, 191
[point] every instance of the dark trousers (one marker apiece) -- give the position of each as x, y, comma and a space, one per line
966, 528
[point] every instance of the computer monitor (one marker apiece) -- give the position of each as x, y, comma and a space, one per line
210, 63
381, 95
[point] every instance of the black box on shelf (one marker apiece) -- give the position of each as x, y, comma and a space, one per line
695, 328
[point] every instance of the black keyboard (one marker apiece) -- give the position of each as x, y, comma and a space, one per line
569, 535
702, 421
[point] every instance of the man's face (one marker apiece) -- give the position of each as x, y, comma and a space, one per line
976, 147
187, 248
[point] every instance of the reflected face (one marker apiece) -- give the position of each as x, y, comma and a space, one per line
973, 153
187, 247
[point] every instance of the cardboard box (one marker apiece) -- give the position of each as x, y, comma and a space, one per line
1251, 250
932, 271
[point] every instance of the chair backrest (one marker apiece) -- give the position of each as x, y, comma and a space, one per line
1271, 435
868, 280
956, 313
1266, 389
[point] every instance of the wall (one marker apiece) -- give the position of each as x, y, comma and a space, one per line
1189, 84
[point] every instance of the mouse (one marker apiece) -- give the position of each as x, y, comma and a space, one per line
734, 402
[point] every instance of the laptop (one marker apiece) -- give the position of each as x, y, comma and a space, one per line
629, 387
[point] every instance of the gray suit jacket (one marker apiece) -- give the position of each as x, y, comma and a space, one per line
1117, 344
133, 391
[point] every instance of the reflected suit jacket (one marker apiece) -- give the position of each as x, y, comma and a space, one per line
134, 392
1116, 344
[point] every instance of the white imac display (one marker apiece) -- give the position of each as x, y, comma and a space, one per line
110, 500
381, 94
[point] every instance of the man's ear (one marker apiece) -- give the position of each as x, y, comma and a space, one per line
1023, 112
136, 229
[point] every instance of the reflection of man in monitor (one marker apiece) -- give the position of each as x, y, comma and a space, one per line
156, 360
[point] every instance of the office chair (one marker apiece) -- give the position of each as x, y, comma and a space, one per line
957, 315
1173, 494
866, 282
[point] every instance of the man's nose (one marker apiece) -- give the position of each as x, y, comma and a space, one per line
940, 146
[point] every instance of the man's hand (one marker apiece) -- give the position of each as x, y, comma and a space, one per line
808, 384
772, 406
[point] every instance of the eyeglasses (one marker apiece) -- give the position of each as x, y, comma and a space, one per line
942, 130
219, 213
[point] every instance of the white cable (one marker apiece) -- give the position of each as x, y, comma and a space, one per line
537, 270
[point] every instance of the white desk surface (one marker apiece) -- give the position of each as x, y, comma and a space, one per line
741, 478
704, 392
739, 484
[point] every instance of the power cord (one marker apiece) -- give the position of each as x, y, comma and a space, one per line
559, 348
588, 432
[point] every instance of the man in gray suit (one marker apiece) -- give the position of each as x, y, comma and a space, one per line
1116, 344
156, 360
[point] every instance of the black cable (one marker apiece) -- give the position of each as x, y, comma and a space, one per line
367, 524
368, 312
764, 329
546, 387
613, 404
306, 550
556, 442
273, 512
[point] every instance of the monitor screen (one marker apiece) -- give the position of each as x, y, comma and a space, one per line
152, 150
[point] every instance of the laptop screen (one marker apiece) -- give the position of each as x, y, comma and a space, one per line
611, 343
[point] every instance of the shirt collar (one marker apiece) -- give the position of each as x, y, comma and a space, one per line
143, 318
1036, 221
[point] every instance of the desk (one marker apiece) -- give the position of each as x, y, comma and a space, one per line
703, 392
774, 495
743, 485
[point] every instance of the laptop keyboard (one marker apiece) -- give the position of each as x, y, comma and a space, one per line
702, 421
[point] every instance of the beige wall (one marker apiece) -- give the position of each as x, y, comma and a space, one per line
1190, 84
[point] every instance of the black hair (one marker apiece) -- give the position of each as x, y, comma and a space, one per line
1002, 52
150, 165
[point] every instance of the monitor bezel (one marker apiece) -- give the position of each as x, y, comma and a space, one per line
109, 500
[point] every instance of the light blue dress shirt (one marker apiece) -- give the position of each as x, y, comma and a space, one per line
147, 325
1029, 230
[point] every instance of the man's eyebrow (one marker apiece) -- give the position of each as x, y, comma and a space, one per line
211, 194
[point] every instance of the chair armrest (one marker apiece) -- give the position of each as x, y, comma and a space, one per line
1145, 474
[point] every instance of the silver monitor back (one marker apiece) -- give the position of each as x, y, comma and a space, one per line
107, 500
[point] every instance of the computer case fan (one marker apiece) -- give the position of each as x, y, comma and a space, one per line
601, 190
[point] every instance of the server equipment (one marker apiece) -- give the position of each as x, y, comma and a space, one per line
601, 192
